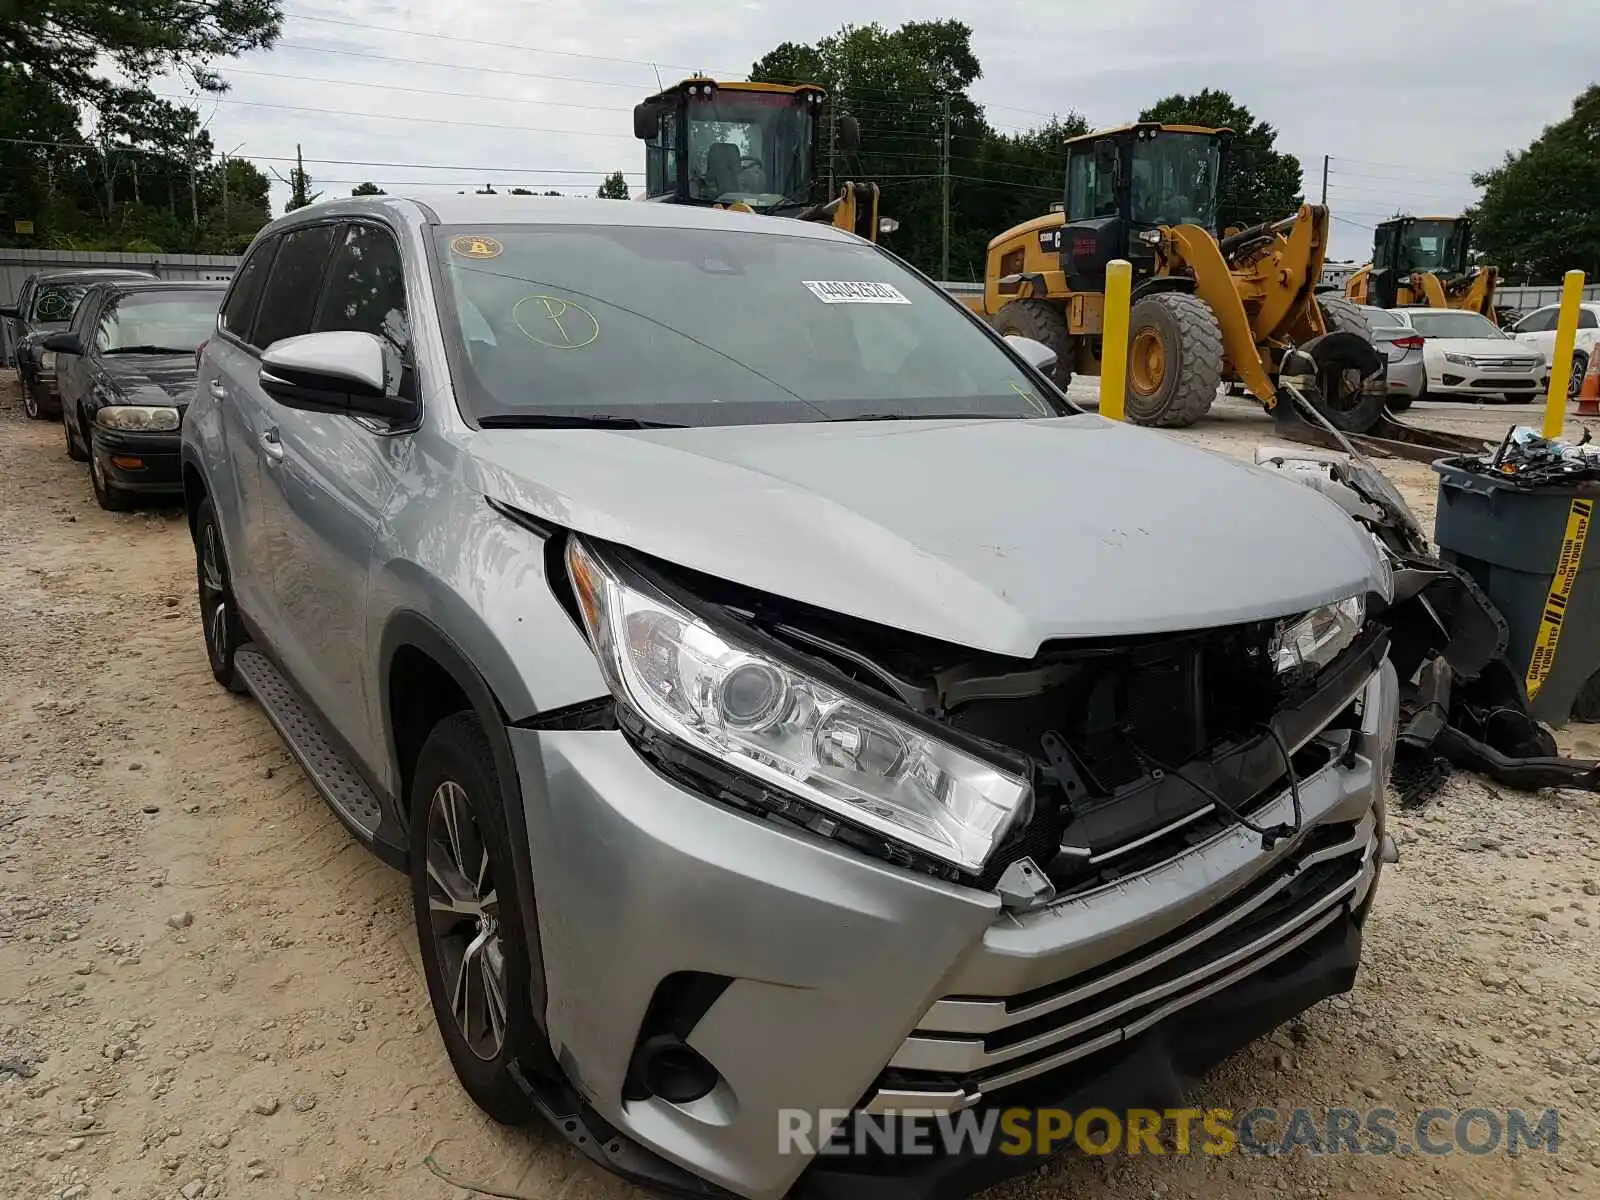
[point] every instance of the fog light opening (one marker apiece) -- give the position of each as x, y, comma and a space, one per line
675, 1071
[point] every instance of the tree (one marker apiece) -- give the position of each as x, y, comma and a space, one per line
367, 189
486, 190
900, 84
615, 187
61, 41
520, 192
1538, 217
1259, 183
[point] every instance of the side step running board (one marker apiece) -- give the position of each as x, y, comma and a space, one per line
330, 771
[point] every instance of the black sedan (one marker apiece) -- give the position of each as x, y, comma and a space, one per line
46, 305
126, 372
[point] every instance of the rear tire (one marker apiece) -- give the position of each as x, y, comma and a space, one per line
469, 924
1344, 400
219, 615
1043, 322
1174, 360
1399, 404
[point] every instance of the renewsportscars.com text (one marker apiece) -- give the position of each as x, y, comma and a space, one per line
1172, 1131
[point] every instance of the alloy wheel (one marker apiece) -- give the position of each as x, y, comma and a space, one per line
464, 912
213, 594
1580, 368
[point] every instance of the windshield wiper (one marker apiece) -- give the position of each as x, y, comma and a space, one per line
570, 421
966, 416
150, 350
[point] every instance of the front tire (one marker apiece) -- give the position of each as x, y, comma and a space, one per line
219, 616
30, 401
1043, 322
469, 924
1580, 368
75, 450
107, 494
1174, 360
1345, 401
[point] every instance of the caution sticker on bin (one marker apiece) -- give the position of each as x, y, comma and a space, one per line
1543, 658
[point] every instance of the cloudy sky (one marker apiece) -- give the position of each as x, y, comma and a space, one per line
1407, 99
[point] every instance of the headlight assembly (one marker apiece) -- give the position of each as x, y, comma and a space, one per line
137, 418
47, 360
1316, 639
1461, 360
790, 730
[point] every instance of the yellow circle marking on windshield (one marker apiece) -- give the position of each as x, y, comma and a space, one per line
559, 324
473, 245
1039, 405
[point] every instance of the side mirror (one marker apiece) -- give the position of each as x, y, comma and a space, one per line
848, 134
63, 343
10, 310
356, 374
646, 121
1039, 356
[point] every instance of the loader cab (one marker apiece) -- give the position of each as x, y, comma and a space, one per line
1124, 185
728, 144
1406, 246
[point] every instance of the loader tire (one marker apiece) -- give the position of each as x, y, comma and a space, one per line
1174, 360
1344, 402
1043, 322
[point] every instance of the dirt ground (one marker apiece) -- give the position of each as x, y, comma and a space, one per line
207, 989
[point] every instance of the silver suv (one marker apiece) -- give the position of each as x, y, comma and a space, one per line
783, 700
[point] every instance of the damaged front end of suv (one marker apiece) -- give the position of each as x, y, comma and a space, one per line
1078, 879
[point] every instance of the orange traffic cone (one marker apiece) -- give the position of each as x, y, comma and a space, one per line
1589, 392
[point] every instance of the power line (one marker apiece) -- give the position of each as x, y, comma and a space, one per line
394, 87
333, 112
1411, 167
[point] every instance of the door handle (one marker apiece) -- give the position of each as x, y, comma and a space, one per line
272, 444
216, 389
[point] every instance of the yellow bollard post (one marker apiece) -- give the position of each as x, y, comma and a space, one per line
1114, 340
1555, 403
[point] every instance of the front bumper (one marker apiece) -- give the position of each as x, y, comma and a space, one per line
158, 470
853, 985
1460, 380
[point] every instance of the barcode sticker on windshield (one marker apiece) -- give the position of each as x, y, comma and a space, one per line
836, 291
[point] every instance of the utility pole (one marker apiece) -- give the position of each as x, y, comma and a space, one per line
225, 226
194, 192
1324, 179
944, 255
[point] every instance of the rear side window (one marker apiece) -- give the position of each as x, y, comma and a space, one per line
293, 285
1542, 321
366, 287
239, 309
1586, 319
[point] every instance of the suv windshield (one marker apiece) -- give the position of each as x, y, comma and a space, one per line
1438, 323
711, 327
1175, 180
753, 147
158, 321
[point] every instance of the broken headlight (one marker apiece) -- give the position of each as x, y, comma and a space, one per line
1316, 639
789, 729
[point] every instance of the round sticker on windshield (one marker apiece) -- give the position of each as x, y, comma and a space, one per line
473, 245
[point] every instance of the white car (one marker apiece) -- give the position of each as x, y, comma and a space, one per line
1538, 329
1466, 354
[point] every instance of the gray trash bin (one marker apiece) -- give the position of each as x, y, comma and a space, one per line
1536, 553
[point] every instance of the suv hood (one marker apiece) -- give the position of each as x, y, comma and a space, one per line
996, 535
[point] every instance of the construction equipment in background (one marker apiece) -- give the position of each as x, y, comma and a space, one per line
751, 147
1424, 262
1205, 310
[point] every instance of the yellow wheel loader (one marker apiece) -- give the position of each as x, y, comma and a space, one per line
1423, 261
1205, 310
751, 147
